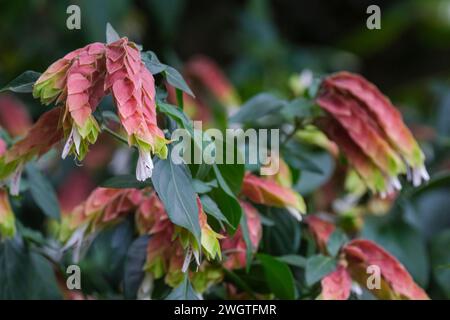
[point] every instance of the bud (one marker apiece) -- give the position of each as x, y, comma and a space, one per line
7, 219
269, 193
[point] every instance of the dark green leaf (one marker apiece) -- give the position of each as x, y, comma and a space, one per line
103, 265
226, 199
278, 276
211, 208
23, 83
173, 183
337, 239
176, 114
183, 292
284, 236
134, 263
440, 260
42, 192
25, 274
175, 79
317, 267
298, 108
152, 63
257, 107
124, 181
204, 187
293, 260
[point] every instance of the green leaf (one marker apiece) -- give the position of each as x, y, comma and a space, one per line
293, 260
152, 63
317, 267
337, 239
298, 108
25, 274
103, 265
212, 209
173, 183
183, 292
111, 34
175, 79
278, 276
257, 107
23, 83
226, 199
176, 114
248, 241
42, 192
204, 187
124, 182
284, 236
233, 175
134, 263
440, 259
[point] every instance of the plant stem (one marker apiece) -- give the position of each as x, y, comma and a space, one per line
114, 134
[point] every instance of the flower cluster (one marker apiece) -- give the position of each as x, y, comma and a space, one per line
370, 131
133, 89
354, 259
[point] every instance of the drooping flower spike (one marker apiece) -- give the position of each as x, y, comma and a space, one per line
44, 134
101, 207
354, 259
396, 282
269, 193
133, 90
167, 251
373, 131
76, 81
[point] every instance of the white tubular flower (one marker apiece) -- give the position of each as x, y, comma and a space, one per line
295, 213
417, 175
144, 166
14, 186
74, 138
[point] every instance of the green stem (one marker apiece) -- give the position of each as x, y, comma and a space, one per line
114, 134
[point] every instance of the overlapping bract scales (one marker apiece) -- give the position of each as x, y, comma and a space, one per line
371, 132
354, 259
76, 81
101, 207
396, 282
132, 87
166, 250
336, 285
